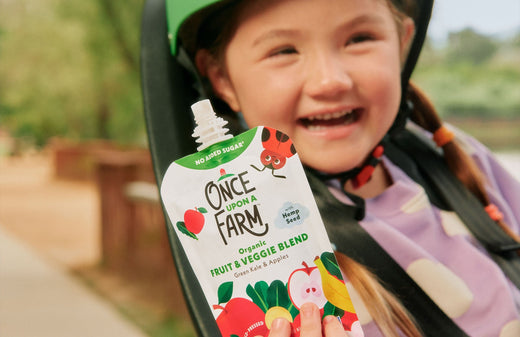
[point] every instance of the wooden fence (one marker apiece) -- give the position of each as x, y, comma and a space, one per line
134, 241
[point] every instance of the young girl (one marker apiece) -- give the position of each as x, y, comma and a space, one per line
330, 75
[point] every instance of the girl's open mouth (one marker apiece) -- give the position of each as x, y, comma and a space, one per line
332, 120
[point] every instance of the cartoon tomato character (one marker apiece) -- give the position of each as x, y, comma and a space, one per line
277, 148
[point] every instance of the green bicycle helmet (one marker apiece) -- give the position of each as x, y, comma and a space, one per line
185, 18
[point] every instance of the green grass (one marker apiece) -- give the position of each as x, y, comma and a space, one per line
464, 91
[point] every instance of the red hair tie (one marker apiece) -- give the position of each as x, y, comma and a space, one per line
443, 136
493, 212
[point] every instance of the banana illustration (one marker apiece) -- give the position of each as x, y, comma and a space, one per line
334, 289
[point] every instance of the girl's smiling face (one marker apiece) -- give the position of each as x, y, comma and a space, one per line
327, 73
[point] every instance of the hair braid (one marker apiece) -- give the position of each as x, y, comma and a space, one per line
458, 161
391, 317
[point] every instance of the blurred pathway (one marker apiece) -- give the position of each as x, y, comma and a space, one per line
39, 298
48, 227
58, 218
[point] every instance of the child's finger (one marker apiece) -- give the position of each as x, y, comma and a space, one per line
332, 327
280, 328
310, 320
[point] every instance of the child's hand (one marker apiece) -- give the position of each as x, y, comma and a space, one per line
280, 328
311, 325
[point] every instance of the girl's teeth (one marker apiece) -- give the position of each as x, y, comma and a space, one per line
316, 128
327, 121
330, 116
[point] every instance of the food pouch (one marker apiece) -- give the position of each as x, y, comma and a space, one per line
247, 220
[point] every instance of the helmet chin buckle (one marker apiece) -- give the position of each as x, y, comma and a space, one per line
358, 176
367, 170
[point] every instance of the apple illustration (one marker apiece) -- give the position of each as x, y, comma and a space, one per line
304, 286
194, 220
241, 317
351, 324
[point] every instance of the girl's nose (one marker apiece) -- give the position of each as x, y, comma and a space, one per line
327, 78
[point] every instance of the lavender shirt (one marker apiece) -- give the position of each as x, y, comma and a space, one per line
439, 253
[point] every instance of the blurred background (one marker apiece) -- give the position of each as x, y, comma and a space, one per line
76, 185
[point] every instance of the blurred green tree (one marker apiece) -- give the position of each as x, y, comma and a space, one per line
71, 69
469, 46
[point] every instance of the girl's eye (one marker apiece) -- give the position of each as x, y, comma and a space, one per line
359, 39
283, 51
